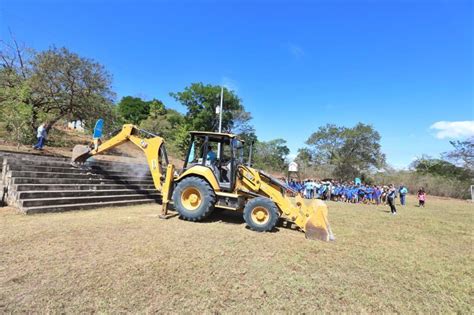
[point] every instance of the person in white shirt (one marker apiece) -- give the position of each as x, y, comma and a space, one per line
41, 134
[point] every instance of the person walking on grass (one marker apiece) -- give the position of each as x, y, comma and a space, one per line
421, 197
391, 199
403, 191
41, 134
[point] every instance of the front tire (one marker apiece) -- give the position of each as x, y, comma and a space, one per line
194, 199
261, 214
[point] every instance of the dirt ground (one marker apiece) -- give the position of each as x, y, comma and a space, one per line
128, 260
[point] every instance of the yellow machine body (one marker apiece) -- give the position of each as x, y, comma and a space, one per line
203, 172
309, 215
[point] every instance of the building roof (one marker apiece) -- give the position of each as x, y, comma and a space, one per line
215, 135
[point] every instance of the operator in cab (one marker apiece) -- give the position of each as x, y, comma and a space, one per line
211, 155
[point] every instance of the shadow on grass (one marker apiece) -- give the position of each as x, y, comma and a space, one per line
225, 216
236, 217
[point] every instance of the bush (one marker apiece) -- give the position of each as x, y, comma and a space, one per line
433, 184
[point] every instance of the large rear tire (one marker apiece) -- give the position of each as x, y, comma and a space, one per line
261, 214
194, 199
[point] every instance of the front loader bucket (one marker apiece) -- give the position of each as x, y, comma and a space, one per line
317, 225
80, 153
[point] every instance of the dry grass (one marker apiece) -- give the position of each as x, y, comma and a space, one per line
126, 259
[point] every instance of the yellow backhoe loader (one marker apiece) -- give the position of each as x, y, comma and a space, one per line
214, 175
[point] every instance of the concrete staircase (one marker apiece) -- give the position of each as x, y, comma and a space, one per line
38, 183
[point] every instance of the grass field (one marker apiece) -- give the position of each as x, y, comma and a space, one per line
126, 259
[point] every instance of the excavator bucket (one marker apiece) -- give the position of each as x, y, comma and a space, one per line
317, 225
80, 153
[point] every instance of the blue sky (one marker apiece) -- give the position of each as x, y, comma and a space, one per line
401, 66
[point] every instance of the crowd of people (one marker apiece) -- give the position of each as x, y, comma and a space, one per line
353, 192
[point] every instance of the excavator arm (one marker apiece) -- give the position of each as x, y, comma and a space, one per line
153, 148
309, 215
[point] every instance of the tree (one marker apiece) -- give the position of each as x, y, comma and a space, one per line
438, 167
304, 156
326, 143
133, 109
250, 140
271, 155
201, 101
61, 84
463, 153
72, 87
350, 150
15, 113
166, 123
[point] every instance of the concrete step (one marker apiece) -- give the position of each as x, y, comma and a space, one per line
28, 203
70, 170
61, 181
33, 160
35, 155
24, 195
30, 161
76, 176
85, 206
39, 183
42, 158
117, 166
85, 187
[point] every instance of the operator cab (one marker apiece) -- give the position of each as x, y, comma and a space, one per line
221, 152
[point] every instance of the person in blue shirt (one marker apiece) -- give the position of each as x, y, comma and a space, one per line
355, 194
308, 188
211, 155
403, 191
369, 194
349, 194
361, 193
345, 194
322, 190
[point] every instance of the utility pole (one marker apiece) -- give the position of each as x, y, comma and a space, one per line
220, 122
220, 110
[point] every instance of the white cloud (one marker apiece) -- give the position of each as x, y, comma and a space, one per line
453, 129
296, 50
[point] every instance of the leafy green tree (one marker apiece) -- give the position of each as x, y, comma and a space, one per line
304, 157
271, 155
73, 87
438, 167
15, 113
133, 109
462, 154
200, 101
352, 151
166, 124
250, 140
61, 84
